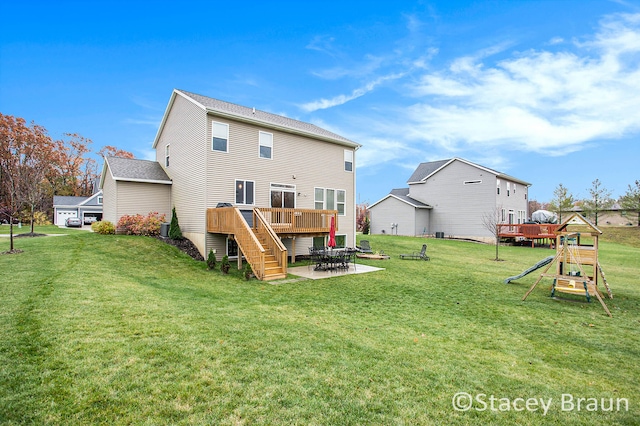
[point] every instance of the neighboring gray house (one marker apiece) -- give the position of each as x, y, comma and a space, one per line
65, 207
284, 180
450, 197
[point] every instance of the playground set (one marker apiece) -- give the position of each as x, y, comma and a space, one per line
577, 266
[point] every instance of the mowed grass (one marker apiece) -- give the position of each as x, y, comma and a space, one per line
128, 330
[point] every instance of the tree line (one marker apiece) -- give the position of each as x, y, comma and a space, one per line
34, 167
598, 201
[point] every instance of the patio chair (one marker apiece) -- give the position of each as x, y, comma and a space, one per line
421, 256
364, 247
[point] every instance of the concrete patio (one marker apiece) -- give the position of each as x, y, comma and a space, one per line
310, 273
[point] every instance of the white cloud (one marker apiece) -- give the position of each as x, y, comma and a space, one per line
553, 102
342, 99
322, 43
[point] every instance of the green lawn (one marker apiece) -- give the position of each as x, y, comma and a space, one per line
128, 330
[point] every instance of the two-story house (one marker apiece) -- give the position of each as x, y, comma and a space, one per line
450, 198
243, 181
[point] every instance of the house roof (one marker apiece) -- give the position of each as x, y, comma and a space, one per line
74, 201
132, 170
426, 170
67, 200
252, 115
402, 194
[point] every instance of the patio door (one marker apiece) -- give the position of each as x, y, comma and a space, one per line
283, 196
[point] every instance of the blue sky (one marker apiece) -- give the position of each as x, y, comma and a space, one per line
546, 91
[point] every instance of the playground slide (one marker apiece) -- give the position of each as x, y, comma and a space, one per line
538, 265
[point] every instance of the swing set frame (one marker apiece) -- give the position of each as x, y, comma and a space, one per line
577, 266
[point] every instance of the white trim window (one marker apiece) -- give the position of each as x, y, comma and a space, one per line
166, 155
341, 204
219, 136
318, 198
265, 145
498, 187
245, 192
331, 199
348, 160
99, 199
508, 189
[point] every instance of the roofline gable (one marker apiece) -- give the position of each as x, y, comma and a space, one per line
402, 200
250, 120
486, 169
97, 194
125, 179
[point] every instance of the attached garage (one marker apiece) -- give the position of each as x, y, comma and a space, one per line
62, 215
65, 207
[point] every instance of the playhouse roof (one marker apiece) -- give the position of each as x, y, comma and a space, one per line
578, 219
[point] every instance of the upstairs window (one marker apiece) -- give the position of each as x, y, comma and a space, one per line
319, 198
340, 202
508, 190
244, 192
498, 186
100, 199
330, 199
266, 144
219, 136
348, 160
166, 156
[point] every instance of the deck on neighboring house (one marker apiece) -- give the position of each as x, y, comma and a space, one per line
258, 233
528, 232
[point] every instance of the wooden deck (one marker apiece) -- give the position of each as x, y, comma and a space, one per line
258, 233
528, 232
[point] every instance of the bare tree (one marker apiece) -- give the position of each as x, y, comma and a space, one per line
630, 201
600, 200
562, 201
490, 221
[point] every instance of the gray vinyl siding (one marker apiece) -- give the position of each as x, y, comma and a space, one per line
109, 200
512, 201
296, 160
184, 131
458, 208
392, 210
422, 225
202, 178
143, 198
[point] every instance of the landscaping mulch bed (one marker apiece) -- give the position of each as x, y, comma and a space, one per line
29, 234
184, 245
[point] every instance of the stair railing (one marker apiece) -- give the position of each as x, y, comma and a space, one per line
273, 242
248, 243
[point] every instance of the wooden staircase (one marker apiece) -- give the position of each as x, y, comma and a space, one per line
259, 233
272, 269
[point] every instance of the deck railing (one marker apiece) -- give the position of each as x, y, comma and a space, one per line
299, 221
282, 221
221, 220
530, 231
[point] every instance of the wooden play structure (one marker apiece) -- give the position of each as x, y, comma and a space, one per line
577, 265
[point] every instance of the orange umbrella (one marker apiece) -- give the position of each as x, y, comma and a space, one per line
332, 233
